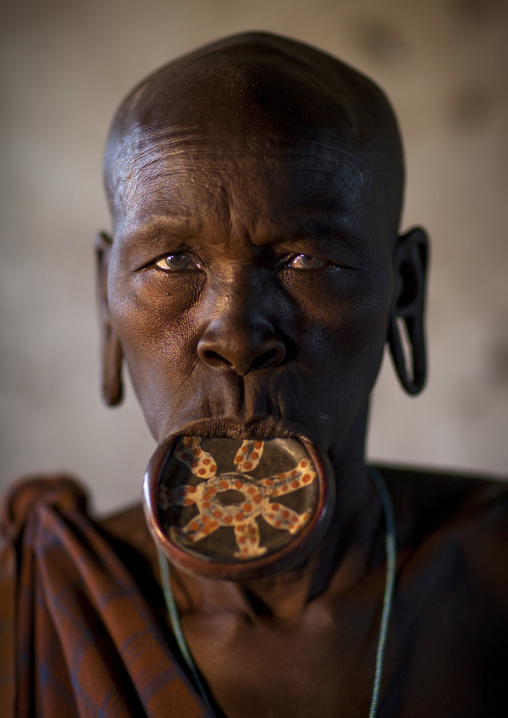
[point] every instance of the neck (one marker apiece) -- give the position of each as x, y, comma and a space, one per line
351, 547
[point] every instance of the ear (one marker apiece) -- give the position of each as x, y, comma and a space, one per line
111, 348
410, 262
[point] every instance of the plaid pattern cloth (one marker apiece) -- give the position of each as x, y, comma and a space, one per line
78, 636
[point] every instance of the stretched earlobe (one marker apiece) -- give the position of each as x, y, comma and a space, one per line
111, 348
111, 360
415, 384
410, 268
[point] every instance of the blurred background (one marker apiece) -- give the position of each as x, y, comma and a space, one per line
65, 66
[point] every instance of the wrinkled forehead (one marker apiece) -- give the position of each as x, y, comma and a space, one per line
261, 96
207, 172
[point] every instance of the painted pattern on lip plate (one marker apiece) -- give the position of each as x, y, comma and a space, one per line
229, 507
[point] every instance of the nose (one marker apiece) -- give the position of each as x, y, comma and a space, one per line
241, 344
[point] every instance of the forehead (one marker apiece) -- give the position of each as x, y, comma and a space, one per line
217, 176
259, 122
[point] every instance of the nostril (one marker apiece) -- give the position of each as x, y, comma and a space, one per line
214, 359
241, 351
267, 359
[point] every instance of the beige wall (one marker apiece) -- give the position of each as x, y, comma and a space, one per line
66, 65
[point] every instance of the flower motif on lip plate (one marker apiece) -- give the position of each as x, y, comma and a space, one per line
252, 498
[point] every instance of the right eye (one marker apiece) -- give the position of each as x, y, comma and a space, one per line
306, 261
178, 262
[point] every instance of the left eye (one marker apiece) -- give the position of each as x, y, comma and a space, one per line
306, 261
178, 261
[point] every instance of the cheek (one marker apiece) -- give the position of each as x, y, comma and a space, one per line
154, 322
342, 327
150, 310
346, 308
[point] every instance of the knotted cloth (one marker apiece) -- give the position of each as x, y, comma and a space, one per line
82, 626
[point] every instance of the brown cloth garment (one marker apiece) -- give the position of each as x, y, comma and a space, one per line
78, 636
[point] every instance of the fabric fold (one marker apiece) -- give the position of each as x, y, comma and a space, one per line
87, 642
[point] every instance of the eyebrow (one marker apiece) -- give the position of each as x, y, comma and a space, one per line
178, 225
318, 225
184, 228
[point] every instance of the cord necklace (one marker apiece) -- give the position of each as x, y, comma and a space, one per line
391, 562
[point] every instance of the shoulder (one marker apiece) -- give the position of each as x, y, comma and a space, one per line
64, 493
128, 530
450, 609
429, 500
453, 535
27, 500
42, 513
26, 496
48, 534
38, 511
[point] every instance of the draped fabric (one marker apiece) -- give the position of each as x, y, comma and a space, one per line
82, 628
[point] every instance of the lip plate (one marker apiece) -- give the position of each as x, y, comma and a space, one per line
289, 556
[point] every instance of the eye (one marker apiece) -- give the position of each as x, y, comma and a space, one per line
305, 261
178, 262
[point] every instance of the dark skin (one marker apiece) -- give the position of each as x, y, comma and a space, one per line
251, 283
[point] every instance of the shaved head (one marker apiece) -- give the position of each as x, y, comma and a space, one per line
263, 94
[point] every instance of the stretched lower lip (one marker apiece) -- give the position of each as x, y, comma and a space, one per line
232, 503
256, 428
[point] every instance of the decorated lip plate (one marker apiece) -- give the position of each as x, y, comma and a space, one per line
236, 509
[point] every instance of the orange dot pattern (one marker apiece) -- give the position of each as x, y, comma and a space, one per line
249, 455
285, 518
247, 540
188, 450
197, 529
256, 498
290, 481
